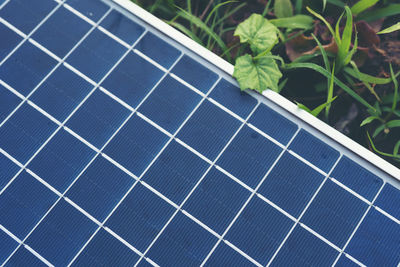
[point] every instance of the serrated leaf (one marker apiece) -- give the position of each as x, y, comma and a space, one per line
259, 75
258, 32
283, 8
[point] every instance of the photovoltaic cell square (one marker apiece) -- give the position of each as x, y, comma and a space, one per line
9, 40
334, 213
314, 150
22, 256
209, 130
61, 160
23, 204
345, 262
175, 172
216, 200
245, 156
226, 256
132, 79
8, 170
357, 178
92, 9
98, 118
26, 68
99, 189
387, 199
8, 102
144, 263
61, 32
140, 217
169, 104
376, 242
291, 184
7, 246
61, 234
25, 132
259, 230
168, 249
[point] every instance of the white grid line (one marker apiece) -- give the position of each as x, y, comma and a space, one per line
4, 4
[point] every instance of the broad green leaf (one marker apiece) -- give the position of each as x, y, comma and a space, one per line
258, 32
294, 22
368, 120
362, 5
392, 28
259, 75
283, 8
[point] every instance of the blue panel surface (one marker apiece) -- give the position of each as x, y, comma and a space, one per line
8, 170
8, 102
92, 9
388, 199
22, 257
9, 40
345, 262
226, 256
7, 246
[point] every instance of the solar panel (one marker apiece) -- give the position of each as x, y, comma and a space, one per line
124, 143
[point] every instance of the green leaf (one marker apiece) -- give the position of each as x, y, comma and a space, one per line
362, 5
283, 8
259, 75
378, 130
344, 45
258, 32
393, 124
301, 106
326, 24
368, 120
394, 155
392, 28
315, 112
396, 148
372, 15
396, 88
294, 22
365, 77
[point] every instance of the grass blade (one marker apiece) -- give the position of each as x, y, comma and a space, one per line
392, 28
344, 46
185, 31
329, 98
367, 78
394, 156
362, 5
390, 10
396, 88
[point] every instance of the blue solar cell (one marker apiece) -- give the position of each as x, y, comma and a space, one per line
259, 230
25, 132
61, 234
8, 102
216, 200
96, 55
61, 32
7, 246
99, 189
291, 184
144, 263
273, 124
22, 257
168, 249
314, 150
232, 98
92, 9
304, 249
122, 27
26, 14
132, 146
8, 170
245, 156
158, 50
388, 200
195, 74
377, 241
61, 160
345, 262
61, 93
98, 118
226, 256
334, 213
9, 41
170, 104
26, 68
175, 172
132, 79
23, 204
105, 250
209, 130
357, 178
140, 217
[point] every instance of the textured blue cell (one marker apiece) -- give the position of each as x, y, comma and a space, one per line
144, 263
273, 124
26, 68
377, 241
61, 93
259, 230
98, 118
170, 104
209, 130
249, 156
334, 213
357, 178
122, 27
345, 262
226, 256
291, 184
158, 50
9, 41
96, 55
26, 14
105, 250
23, 204
7, 246
140, 217
314, 150
61, 32
183, 243
304, 249
195, 74
8, 102
61, 160
175, 172
8, 169
136, 145
22, 257
99, 189
216, 200
132, 79
388, 200
61, 234
233, 98
25, 132
93, 9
